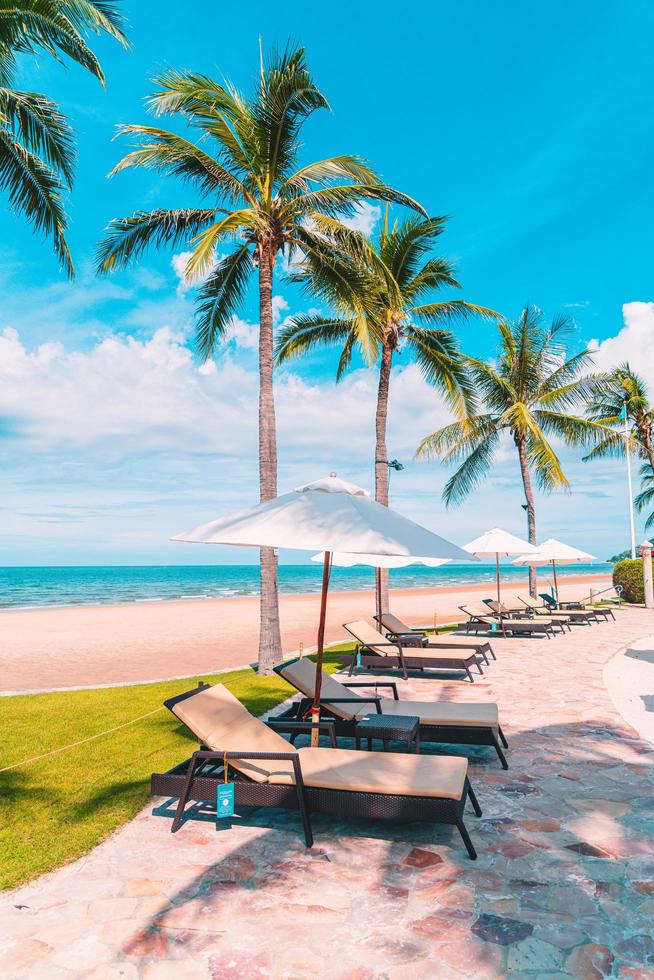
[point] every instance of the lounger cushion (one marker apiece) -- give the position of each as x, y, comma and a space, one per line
393, 773
222, 723
483, 714
302, 675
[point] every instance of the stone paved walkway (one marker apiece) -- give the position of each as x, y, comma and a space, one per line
564, 884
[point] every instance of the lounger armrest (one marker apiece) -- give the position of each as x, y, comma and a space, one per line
409, 639
292, 757
376, 684
358, 700
304, 726
371, 646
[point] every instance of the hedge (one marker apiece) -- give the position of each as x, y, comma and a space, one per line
629, 574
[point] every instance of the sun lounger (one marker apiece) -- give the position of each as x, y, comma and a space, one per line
414, 636
564, 615
374, 651
267, 771
454, 722
479, 619
499, 609
577, 606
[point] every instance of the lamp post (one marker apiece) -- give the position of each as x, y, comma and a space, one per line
646, 555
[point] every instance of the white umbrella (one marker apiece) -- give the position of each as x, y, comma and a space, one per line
555, 553
344, 560
496, 543
328, 515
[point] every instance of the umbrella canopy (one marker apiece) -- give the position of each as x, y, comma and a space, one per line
496, 543
555, 553
328, 515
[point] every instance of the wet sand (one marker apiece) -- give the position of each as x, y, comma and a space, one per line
45, 649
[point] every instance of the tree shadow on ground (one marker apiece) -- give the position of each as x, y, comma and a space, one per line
565, 858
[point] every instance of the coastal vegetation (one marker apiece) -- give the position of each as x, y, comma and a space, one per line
628, 574
379, 293
37, 146
529, 393
259, 204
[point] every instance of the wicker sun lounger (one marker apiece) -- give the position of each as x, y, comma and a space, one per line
564, 615
577, 607
454, 722
414, 636
499, 609
481, 619
375, 652
267, 771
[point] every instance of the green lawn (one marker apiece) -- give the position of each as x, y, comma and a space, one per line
55, 810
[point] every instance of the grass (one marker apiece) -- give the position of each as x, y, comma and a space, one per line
56, 810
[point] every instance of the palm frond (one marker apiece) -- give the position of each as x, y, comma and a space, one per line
127, 238
304, 333
442, 366
471, 472
35, 191
219, 298
38, 124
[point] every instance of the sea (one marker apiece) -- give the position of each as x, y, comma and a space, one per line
87, 585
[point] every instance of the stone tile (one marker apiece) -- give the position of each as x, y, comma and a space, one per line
500, 930
592, 962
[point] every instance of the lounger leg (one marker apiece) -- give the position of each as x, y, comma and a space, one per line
479, 668
302, 804
482, 653
502, 757
472, 854
470, 677
473, 799
502, 737
179, 812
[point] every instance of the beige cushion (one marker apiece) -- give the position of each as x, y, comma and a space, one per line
481, 714
302, 675
365, 633
396, 773
445, 640
222, 723
393, 624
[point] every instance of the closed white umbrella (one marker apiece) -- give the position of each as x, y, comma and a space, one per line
497, 543
553, 552
328, 515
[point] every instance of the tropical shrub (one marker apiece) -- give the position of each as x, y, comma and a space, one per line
629, 574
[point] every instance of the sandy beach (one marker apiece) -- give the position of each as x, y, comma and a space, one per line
45, 649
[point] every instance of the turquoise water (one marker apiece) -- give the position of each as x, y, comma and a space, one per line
96, 585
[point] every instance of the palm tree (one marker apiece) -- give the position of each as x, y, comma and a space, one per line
36, 141
260, 203
620, 391
646, 496
378, 292
528, 395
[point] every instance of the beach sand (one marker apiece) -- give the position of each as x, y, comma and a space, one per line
45, 649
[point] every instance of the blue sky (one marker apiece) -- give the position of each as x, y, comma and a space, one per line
531, 125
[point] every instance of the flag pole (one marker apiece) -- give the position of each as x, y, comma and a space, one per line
629, 483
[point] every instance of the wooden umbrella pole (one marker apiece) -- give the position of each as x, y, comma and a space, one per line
497, 573
315, 708
556, 584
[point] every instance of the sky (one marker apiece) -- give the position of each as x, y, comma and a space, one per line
530, 125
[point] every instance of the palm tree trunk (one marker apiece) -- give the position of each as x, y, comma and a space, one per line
531, 509
270, 642
381, 457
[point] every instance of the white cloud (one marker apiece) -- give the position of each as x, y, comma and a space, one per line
366, 217
179, 263
633, 343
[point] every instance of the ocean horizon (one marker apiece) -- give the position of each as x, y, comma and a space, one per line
30, 587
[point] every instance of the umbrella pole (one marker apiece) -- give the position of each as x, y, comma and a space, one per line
556, 584
378, 594
497, 573
315, 708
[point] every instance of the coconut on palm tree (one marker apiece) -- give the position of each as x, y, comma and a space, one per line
36, 141
258, 202
528, 394
618, 392
379, 295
